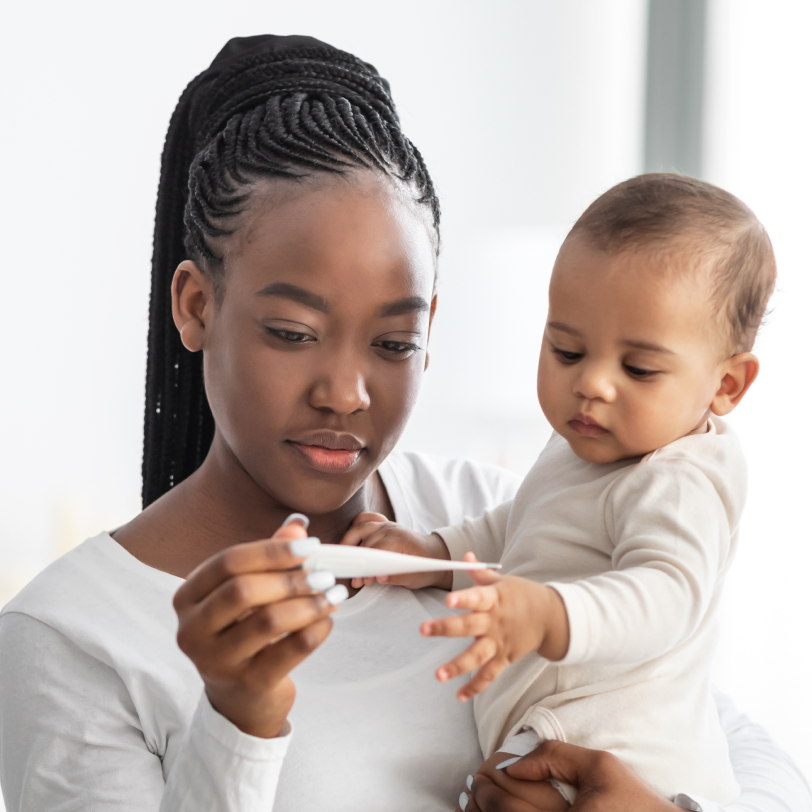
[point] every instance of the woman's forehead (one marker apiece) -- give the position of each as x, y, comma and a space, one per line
358, 236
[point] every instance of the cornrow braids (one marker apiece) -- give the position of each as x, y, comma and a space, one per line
268, 107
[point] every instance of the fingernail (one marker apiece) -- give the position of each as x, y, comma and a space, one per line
337, 594
469, 782
442, 675
320, 580
297, 517
463, 802
508, 763
305, 547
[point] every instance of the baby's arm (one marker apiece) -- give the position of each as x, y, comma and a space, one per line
509, 617
671, 536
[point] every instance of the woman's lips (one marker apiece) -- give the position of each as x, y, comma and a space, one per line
587, 427
329, 460
327, 452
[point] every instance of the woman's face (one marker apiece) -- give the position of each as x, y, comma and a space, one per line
314, 354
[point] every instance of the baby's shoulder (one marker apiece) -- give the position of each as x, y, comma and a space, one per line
708, 467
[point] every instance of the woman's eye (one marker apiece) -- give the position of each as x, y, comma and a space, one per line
638, 372
568, 357
401, 349
290, 336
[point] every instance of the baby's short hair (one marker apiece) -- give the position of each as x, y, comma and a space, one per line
657, 208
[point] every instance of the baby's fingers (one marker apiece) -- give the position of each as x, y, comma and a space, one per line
476, 655
472, 625
357, 583
484, 677
476, 598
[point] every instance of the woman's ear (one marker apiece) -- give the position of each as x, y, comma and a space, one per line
428, 332
192, 300
739, 372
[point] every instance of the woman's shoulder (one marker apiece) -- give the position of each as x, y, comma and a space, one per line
429, 491
87, 593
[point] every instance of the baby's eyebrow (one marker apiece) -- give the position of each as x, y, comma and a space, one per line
648, 345
564, 328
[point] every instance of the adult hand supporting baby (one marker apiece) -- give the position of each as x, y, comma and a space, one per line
375, 530
603, 782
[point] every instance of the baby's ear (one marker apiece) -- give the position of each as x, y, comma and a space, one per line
739, 372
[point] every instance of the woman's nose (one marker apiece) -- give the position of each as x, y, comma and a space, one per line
341, 389
595, 383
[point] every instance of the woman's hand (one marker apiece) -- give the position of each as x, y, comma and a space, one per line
603, 782
375, 530
246, 617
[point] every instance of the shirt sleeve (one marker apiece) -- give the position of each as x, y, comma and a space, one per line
672, 540
483, 536
769, 780
70, 739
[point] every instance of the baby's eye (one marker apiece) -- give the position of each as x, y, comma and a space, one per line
638, 372
568, 357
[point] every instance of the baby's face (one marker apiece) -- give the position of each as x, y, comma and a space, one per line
631, 358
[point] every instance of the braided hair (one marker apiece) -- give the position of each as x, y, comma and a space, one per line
268, 107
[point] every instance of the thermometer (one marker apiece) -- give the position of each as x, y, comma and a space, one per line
367, 562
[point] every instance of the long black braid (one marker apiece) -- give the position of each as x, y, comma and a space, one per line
268, 107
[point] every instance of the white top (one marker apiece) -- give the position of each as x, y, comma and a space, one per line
638, 550
99, 710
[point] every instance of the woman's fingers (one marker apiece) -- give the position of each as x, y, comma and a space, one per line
485, 796
565, 762
267, 624
238, 596
476, 598
283, 552
476, 655
274, 662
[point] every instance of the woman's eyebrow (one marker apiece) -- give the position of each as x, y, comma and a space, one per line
412, 304
284, 290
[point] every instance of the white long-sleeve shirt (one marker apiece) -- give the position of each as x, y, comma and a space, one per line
638, 550
100, 711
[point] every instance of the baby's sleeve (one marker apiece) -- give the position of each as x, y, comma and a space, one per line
671, 526
483, 536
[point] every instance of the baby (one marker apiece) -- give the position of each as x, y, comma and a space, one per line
616, 547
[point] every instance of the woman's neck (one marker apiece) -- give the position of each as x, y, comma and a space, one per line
221, 505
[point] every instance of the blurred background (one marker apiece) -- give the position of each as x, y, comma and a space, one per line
525, 112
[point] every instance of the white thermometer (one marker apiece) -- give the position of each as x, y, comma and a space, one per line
366, 562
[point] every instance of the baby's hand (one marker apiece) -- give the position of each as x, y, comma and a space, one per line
510, 617
375, 530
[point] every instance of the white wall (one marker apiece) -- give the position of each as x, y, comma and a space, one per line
525, 111
759, 132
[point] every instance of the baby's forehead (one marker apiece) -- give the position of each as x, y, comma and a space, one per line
667, 286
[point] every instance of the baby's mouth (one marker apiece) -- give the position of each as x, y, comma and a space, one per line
587, 426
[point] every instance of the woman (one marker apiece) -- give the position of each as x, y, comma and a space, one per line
294, 270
